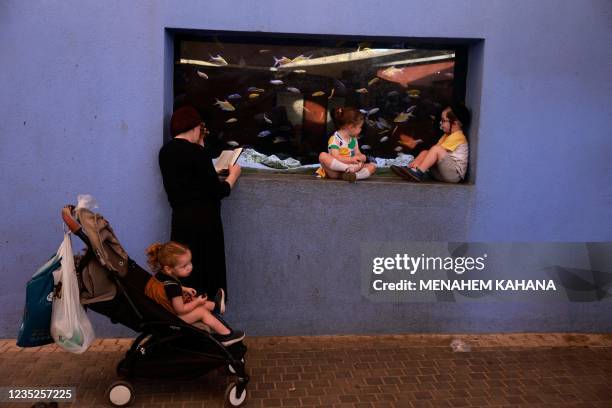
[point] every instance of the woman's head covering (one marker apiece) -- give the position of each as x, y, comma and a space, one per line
184, 119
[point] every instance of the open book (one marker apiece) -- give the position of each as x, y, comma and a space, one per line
227, 158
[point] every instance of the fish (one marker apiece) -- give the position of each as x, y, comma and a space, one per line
266, 119
254, 89
402, 117
373, 81
299, 71
225, 105
276, 82
392, 93
301, 58
409, 142
381, 123
253, 95
391, 71
361, 90
273, 69
398, 149
331, 94
264, 51
384, 139
279, 139
202, 74
411, 109
383, 132
234, 96
370, 112
366, 147
293, 90
264, 133
414, 93
281, 61
370, 122
318, 93
231, 120
218, 59
233, 143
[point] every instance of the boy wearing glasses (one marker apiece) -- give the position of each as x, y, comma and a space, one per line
448, 159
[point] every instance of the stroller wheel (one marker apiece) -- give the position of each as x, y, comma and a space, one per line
120, 394
232, 399
231, 369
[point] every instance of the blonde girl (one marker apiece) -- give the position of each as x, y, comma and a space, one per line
171, 262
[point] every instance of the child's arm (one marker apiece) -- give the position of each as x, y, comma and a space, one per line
360, 157
347, 160
189, 291
180, 307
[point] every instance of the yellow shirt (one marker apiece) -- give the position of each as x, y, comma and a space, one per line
450, 142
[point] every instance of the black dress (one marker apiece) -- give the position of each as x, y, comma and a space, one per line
195, 192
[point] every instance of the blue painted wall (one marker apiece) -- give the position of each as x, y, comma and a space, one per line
86, 95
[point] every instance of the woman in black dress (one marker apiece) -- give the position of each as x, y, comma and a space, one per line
195, 191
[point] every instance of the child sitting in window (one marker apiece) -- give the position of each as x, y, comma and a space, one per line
448, 159
343, 158
172, 261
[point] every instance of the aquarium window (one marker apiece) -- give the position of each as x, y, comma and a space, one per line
274, 94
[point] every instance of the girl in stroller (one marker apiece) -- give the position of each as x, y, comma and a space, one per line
172, 261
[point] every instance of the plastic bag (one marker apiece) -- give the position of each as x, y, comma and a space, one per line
36, 322
70, 327
86, 201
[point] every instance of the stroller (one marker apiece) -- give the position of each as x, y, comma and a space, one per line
113, 285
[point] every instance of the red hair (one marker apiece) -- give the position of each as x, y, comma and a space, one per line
160, 255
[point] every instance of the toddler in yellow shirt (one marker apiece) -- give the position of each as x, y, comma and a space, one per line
447, 160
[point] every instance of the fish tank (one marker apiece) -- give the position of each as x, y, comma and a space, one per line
274, 94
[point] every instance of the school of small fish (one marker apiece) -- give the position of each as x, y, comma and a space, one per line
255, 92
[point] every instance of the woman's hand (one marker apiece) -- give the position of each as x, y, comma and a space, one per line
234, 173
235, 170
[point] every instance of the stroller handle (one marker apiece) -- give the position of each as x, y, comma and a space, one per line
72, 224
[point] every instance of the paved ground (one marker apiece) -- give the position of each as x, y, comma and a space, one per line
543, 370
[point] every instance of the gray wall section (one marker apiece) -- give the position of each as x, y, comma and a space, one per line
87, 96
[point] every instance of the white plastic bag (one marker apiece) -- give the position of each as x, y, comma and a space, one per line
70, 327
